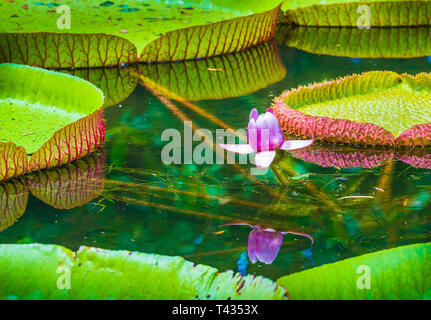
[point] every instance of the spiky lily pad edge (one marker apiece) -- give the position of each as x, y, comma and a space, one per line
327, 129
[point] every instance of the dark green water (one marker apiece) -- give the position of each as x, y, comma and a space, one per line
147, 206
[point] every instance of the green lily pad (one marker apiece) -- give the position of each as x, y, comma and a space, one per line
399, 273
374, 108
63, 188
105, 274
106, 35
359, 43
221, 77
343, 13
54, 117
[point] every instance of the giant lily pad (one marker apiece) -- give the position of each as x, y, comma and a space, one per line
221, 77
359, 43
109, 33
54, 117
30, 272
399, 273
63, 188
374, 108
343, 13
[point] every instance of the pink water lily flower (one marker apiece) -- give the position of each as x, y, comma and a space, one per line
264, 137
264, 244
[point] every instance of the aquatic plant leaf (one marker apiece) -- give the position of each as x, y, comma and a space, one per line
374, 108
360, 43
13, 160
220, 77
13, 202
104, 274
31, 271
398, 273
70, 186
55, 117
338, 13
64, 50
102, 35
116, 83
213, 39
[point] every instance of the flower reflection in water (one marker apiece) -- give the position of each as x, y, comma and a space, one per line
264, 244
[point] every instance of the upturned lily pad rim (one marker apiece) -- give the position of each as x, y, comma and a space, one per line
32, 85
287, 109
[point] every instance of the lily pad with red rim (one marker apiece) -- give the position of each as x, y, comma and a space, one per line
374, 108
114, 34
47, 119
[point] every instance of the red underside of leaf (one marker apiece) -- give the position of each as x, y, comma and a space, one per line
72, 142
13, 161
66, 50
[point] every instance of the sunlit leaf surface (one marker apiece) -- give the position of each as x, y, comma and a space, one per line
107, 34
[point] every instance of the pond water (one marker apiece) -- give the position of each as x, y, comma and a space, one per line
125, 197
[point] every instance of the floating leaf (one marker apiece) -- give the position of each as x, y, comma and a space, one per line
108, 35
399, 273
55, 117
105, 274
220, 77
63, 188
360, 43
344, 13
30, 271
374, 108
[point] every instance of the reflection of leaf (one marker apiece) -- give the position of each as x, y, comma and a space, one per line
150, 32
63, 188
400, 273
55, 126
220, 77
71, 186
116, 83
360, 43
343, 158
337, 13
103, 274
13, 201
375, 108
327, 156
